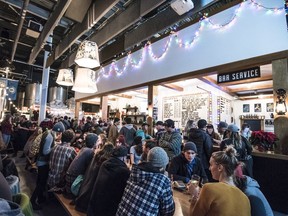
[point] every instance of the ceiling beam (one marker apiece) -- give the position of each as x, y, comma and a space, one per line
119, 24
96, 12
124, 96
48, 28
213, 84
252, 88
253, 97
173, 87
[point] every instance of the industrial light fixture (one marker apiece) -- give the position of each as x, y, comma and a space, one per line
87, 55
65, 77
85, 81
281, 108
182, 6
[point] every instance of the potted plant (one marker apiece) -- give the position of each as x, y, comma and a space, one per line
263, 141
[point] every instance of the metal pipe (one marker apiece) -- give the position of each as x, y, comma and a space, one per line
23, 14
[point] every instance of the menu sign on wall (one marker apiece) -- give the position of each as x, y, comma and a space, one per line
239, 75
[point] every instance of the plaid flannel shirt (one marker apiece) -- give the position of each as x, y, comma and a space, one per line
146, 193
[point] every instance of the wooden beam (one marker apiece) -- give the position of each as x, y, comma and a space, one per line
212, 82
142, 91
124, 96
252, 87
173, 87
253, 97
48, 28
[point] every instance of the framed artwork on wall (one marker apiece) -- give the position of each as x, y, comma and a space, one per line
269, 107
257, 107
246, 108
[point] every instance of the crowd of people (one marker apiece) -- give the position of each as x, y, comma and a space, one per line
113, 169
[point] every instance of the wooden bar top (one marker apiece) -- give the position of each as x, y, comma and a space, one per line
182, 204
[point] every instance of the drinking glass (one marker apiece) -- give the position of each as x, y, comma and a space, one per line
195, 180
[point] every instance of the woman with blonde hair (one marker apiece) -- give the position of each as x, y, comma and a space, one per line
222, 198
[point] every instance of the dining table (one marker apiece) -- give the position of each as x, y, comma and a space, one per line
182, 204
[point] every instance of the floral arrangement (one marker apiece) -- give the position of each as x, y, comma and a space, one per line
263, 141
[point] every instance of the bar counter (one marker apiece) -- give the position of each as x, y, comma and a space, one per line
271, 172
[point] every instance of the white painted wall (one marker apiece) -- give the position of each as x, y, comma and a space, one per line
254, 33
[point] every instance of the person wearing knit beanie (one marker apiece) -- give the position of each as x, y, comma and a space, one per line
183, 166
158, 157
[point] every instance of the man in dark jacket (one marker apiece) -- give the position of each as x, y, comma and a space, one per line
128, 131
203, 144
183, 166
110, 184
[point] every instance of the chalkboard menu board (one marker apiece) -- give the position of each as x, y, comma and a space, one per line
255, 124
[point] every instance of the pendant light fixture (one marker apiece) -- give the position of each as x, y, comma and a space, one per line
87, 55
65, 77
85, 81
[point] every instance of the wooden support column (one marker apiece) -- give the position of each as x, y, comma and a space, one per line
280, 80
77, 109
104, 107
152, 91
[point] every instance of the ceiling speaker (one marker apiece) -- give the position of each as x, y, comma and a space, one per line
182, 6
33, 29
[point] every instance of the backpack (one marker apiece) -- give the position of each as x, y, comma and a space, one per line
36, 144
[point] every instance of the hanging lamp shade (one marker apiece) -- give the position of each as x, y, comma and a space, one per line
85, 81
65, 77
87, 55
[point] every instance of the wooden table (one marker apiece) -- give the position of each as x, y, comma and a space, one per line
182, 204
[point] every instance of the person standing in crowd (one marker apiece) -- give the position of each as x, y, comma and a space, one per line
183, 166
189, 125
242, 146
88, 125
42, 163
128, 131
113, 131
245, 131
143, 132
47, 123
110, 183
22, 132
171, 140
221, 127
81, 162
259, 204
160, 130
204, 145
221, 198
136, 150
66, 123
148, 190
61, 157
7, 129
215, 137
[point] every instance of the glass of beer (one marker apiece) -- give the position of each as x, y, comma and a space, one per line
195, 179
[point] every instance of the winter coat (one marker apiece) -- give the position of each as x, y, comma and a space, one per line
203, 144
128, 131
108, 188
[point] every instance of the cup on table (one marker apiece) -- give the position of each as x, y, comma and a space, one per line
195, 179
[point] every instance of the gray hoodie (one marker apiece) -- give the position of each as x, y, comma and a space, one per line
258, 202
8, 208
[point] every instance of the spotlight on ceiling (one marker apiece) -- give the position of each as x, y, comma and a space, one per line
182, 6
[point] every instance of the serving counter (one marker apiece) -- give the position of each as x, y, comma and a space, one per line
271, 172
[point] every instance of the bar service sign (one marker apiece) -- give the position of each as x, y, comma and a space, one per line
239, 75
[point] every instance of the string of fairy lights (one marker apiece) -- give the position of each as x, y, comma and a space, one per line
205, 21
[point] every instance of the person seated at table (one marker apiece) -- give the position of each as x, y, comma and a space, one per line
81, 162
110, 184
215, 137
5, 191
149, 144
183, 166
148, 190
222, 198
136, 150
259, 204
